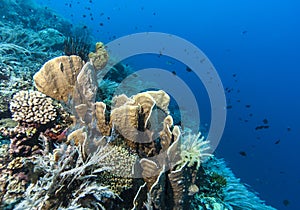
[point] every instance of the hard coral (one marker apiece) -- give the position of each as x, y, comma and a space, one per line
32, 107
57, 77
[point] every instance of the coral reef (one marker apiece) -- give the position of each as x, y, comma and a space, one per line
61, 72
122, 152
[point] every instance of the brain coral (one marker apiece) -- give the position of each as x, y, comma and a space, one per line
32, 107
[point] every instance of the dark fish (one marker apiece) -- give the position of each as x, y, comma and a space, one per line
154, 13
108, 18
174, 72
243, 153
188, 69
234, 75
238, 100
258, 127
250, 115
244, 32
277, 142
229, 107
84, 16
84, 27
246, 120
261, 127
286, 202
247, 105
265, 121
288, 129
101, 24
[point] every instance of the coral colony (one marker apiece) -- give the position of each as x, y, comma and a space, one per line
66, 143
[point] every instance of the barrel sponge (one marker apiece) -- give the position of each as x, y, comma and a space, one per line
32, 107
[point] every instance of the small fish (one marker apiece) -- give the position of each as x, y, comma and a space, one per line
265, 121
188, 69
247, 105
288, 129
243, 153
261, 127
174, 73
229, 107
286, 202
258, 128
234, 75
277, 142
244, 32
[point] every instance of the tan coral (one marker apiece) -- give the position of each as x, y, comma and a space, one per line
166, 133
120, 100
146, 102
150, 171
32, 107
125, 121
78, 136
102, 125
162, 99
100, 57
86, 86
57, 77
81, 111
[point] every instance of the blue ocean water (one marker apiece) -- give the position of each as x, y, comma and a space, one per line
254, 48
